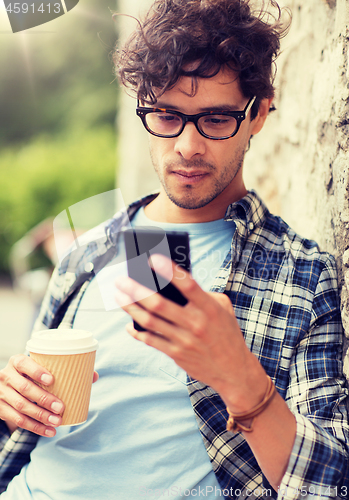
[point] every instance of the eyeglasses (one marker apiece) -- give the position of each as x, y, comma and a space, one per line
212, 125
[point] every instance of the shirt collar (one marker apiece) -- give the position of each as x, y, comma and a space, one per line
248, 213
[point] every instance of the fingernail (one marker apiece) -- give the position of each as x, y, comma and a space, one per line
121, 282
57, 407
162, 264
50, 433
54, 420
159, 260
122, 299
46, 379
125, 285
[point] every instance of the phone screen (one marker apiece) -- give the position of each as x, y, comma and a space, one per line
140, 244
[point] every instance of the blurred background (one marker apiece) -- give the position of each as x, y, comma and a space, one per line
58, 109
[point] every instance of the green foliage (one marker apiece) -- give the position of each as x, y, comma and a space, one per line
59, 75
58, 105
47, 175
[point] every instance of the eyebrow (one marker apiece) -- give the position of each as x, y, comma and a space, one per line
223, 107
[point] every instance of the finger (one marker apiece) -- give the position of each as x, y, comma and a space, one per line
180, 278
122, 298
26, 411
27, 388
27, 366
155, 322
148, 310
130, 291
95, 377
21, 394
9, 414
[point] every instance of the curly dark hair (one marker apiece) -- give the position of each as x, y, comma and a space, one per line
211, 33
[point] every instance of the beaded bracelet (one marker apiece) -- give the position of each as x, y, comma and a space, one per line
234, 420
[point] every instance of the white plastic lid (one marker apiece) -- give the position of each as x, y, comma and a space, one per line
62, 341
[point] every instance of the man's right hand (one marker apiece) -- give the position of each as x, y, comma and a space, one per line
23, 403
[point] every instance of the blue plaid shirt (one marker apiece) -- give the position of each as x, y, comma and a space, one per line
284, 293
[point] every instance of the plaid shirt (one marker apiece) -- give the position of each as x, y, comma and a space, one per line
284, 293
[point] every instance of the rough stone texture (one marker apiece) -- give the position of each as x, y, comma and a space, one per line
299, 162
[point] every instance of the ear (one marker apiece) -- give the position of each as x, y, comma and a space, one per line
263, 111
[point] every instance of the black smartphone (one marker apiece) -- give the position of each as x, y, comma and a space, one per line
142, 243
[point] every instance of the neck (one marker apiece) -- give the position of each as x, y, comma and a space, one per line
162, 209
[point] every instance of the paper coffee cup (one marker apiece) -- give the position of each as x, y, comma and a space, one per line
69, 355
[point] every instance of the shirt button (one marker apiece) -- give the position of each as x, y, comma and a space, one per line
89, 267
251, 226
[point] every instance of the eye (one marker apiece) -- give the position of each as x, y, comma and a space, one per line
216, 125
218, 120
164, 123
167, 117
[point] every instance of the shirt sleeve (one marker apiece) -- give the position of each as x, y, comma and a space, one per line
14, 453
15, 448
4, 434
318, 465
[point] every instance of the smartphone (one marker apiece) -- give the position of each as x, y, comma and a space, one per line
142, 243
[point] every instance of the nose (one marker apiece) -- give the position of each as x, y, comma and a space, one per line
190, 142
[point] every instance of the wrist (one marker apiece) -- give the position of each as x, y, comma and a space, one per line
244, 421
249, 390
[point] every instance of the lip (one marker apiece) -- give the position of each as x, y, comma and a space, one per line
189, 177
191, 173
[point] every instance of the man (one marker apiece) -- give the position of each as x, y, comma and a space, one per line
265, 416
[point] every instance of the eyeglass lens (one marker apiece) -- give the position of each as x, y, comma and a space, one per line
169, 124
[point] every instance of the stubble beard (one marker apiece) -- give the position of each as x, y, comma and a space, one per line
188, 198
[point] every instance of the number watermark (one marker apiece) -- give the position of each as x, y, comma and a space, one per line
24, 15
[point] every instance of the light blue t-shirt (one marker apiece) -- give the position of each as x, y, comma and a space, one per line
141, 439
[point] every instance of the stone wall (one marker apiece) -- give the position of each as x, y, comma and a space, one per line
299, 162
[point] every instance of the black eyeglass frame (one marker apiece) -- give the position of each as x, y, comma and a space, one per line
239, 116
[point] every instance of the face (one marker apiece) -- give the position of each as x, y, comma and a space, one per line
197, 173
